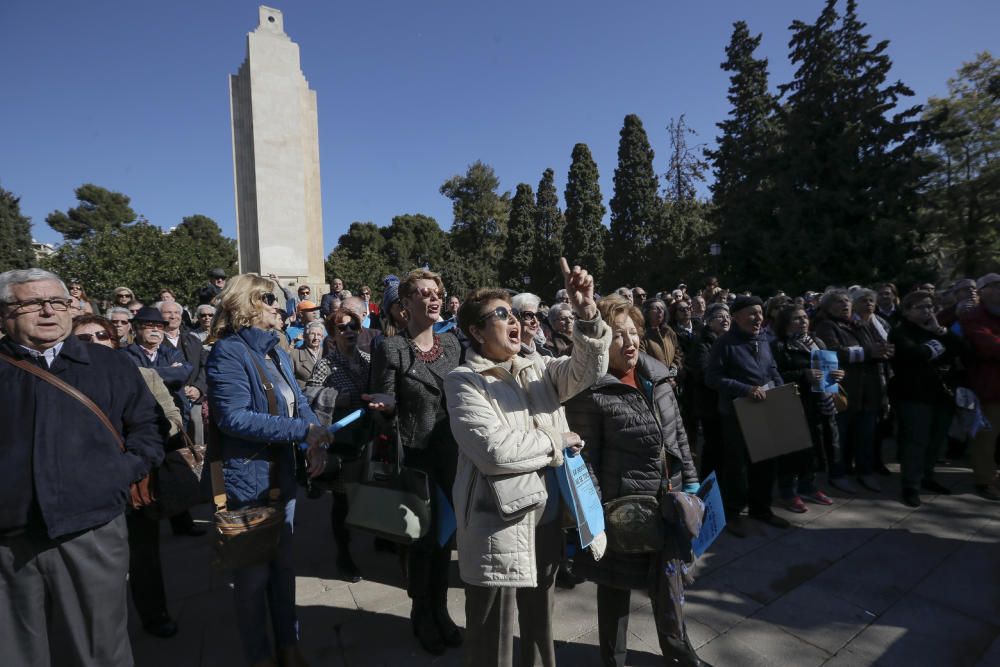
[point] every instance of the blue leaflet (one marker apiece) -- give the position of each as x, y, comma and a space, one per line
715, 516
577, 489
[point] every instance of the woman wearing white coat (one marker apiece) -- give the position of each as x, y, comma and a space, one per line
506, 416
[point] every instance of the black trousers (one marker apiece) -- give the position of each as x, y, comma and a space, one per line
427, 562
490, 612
744, 483
62, 602
666, 592
712, 447
145, 572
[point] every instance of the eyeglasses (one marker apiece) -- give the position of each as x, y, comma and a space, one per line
123, 295
366, 294
150, 325
304, 291
134, 311
500, 312
99, 335
36, 305
119, 322
268, 298
344, 327
528, 315
427, 292
205, 315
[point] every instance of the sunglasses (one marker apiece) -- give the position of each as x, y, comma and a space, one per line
150, 325
528, 315
500, 312
269, 298
427, 292
344, 327
100, 335
204, 315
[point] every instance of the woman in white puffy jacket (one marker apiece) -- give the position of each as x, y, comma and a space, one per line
506, 416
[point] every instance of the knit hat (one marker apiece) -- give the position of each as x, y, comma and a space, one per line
390, 292
742, 302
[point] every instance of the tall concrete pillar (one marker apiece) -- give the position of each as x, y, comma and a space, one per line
276, 159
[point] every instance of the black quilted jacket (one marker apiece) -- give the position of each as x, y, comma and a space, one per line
623, 440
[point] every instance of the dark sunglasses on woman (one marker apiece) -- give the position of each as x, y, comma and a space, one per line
500, 312
99, 335
344, 327
269, 298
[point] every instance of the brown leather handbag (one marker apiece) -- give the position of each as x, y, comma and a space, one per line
249, 535
142, 492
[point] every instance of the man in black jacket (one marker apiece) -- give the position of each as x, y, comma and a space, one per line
740, 365
65, 482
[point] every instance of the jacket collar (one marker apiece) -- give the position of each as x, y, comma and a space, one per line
73, 349
258, 340
484, 366
648, 368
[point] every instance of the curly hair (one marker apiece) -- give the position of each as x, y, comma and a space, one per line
614, 305
239, 304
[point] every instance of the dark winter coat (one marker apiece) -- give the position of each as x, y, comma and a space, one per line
735, 368
982, 329
704, 399
795, 365
854, 342
924, 372
627, 440
238, 405
421, 412
63, 471
193, 351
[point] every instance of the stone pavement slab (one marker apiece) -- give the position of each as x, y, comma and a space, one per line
867, 581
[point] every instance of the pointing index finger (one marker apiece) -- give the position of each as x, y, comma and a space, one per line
564, 266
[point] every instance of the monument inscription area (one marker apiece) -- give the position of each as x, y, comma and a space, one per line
276, 159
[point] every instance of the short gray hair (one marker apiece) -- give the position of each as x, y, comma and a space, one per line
21, 276
315, 324
205, 307
526, 301
121, 311
832, 295
861, 293
556, 310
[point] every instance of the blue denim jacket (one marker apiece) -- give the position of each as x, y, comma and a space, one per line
239, 408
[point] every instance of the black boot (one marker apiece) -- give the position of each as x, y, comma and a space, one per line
451, 635
346, 566
425, 629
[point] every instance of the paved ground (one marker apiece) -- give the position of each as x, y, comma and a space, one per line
865, 582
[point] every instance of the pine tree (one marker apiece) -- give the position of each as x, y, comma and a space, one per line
479, 232
635, 206
549, 227
15, 234
584, 235
847, 187
518, 258
742, 191
98, 209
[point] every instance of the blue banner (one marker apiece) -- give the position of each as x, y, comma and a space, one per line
577, 489
715, 515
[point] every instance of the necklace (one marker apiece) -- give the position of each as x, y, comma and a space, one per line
430, 355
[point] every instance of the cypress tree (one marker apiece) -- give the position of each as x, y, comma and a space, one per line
521, 242
583, 240
549, 227
846, 195
635, 206
15, 234
741, 193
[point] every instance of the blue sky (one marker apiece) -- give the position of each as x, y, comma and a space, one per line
132, 95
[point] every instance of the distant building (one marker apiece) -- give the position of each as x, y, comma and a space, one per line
42, 250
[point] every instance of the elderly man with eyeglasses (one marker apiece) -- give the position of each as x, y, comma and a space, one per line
148, 351
64, 484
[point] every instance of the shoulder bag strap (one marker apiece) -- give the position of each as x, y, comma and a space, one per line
46, 376
274, 493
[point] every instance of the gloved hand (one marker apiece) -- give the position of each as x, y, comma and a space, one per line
692, 487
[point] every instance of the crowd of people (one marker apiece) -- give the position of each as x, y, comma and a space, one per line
487, 393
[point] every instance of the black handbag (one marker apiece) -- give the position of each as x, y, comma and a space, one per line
249, 535
179, 480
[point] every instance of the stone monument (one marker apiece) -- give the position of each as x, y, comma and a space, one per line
276, 160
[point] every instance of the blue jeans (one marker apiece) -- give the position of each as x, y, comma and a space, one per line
266, 588
857, 442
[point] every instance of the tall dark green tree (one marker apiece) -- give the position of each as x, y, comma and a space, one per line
585, 233
360, 257
847, 186
414, 241
742, 191
680, 239
479, 232
98, 209
635, 206
519, 255
549, 227
15, 234
962, 197
212, 248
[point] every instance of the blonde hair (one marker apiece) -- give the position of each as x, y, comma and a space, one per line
408, 286
614, 305
239, 304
